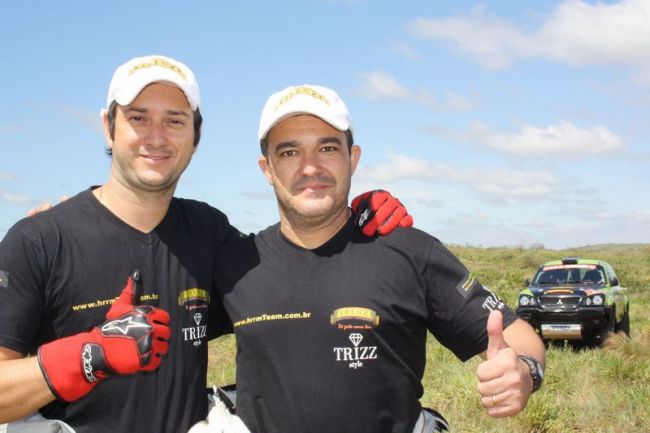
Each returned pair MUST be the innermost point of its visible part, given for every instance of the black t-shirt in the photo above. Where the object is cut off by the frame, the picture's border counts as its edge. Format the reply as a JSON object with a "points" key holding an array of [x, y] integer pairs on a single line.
{"points": [[64, 267], [332, 340]]}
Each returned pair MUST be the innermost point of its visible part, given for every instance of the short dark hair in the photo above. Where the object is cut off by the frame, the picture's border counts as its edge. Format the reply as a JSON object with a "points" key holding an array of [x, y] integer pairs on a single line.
{"points": [[264, 144], [110, 114]]}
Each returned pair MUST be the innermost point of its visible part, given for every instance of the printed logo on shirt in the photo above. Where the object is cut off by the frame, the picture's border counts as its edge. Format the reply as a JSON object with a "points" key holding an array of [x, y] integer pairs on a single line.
{"points": [[271, 317], [467, 284], [356, 355], [100, 303], [356, 320], [470, 283], [195, 334], [492, 301], [193, 300], [4, 279]]}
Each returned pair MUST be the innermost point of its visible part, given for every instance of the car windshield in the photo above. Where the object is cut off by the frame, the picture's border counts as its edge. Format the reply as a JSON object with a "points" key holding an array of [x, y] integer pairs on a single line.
{"points": [[569, 274]]}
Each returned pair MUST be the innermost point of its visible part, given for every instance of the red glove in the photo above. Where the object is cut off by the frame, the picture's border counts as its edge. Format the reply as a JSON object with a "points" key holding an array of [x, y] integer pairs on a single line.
{"points": [[379, 212], [133, 339]]}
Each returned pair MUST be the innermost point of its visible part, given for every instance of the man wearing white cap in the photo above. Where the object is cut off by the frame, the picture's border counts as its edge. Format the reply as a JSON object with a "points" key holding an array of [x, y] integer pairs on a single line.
{"points": [[337, 342], [136, 362]]}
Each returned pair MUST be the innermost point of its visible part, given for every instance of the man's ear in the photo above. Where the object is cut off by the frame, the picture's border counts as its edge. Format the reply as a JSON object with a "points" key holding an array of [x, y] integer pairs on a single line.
{"points": [[107, 129], [263, 162], [355, 156]]}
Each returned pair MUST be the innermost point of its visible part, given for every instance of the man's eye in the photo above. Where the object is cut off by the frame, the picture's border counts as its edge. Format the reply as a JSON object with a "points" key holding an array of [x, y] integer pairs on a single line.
{"points": [[288, 153], [328, 149], [136, 118], [176, 122]]}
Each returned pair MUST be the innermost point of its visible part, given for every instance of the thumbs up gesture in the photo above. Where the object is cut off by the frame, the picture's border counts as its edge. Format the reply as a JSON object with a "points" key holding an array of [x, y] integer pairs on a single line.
{"points": [[133, 338], [504, 380]]}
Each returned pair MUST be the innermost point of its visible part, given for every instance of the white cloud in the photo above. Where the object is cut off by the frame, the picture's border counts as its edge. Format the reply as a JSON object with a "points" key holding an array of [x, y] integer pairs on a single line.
{"points": [[624, 227], [259, 195], [90, 119], [404, 50], [575, 32], [492, 41], [582, 33], [479, 228], [379, 85], [562, 141], [4, 175], [555, 233], [13, 197], [500, 183]]}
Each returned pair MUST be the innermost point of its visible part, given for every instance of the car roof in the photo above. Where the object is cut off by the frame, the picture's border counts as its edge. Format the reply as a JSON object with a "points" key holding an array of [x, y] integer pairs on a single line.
{"points": [[575, 260]]}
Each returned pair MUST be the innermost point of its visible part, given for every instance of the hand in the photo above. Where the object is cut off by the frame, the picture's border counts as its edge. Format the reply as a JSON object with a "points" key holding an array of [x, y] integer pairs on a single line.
{"points": [[45, 206], [378, 212], [133, 339], [504, 380]]}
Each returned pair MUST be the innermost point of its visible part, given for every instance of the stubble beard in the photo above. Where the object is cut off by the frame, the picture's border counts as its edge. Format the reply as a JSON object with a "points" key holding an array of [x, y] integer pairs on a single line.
{"points": [[130, 178], [313, 217]]}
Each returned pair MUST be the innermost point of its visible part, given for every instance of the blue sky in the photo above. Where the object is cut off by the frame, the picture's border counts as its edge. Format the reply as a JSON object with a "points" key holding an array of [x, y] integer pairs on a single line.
{"points": [[505, 123]]}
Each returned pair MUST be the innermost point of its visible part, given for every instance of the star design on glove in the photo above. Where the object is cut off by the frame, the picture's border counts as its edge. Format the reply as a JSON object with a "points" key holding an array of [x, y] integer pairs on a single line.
{"points": [[123, 325], [363, 217]]}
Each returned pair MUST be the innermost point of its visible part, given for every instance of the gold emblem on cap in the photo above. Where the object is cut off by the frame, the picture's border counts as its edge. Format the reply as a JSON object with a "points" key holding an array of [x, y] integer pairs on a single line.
{"points": [[159, 62], [302, 90]]}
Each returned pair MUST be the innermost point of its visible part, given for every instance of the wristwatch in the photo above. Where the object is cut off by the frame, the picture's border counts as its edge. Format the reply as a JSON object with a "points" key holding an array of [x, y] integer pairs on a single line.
{"points": [[536, 371]]}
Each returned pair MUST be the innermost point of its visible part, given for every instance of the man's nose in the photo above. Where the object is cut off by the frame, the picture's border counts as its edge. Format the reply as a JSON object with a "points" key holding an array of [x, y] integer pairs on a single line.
{"points": [[311, 164], [156, 134]]}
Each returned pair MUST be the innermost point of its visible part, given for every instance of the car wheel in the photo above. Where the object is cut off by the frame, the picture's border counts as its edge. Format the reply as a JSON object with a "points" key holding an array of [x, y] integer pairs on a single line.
{"points": [[609, 328], [624, 325]]}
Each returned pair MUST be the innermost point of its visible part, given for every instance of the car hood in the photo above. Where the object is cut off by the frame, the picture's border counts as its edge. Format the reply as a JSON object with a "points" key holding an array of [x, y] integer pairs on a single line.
{"points": [[567, 289]]}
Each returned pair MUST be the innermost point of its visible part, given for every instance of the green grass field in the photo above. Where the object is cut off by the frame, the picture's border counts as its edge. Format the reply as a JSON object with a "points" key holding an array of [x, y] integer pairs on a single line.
{"points": [[588, 391]]}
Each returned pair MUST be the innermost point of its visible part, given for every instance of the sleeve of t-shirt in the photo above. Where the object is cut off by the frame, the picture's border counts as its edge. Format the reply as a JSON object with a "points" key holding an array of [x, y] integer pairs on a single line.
{"points": [[458, 305], [235, 259], [220, 323], [21, 299]]}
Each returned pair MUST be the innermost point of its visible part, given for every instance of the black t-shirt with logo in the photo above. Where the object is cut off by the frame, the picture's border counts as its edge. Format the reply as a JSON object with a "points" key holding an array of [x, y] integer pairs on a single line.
{"points": [[333, 339], [63, 268]]}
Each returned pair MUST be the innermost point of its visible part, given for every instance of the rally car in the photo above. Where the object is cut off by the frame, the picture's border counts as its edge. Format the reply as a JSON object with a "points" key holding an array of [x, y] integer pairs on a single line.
{"points": [[575, 299]]}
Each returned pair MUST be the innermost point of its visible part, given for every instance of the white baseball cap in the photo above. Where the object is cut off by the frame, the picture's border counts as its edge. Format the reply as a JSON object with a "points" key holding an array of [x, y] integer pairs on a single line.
{"points": [[306, 99], [133, 76]]}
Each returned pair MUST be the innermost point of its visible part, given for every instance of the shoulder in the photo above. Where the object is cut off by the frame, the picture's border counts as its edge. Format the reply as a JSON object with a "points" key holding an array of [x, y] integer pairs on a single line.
{"points": [[197, 207], [53, 220], [248, 249], [422, 247], [410, 239], [198, 213], [202, 222]]}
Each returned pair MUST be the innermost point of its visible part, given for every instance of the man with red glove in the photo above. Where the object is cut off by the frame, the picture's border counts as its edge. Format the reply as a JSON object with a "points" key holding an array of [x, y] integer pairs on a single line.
{"points": [[331, 324], [135, 364], [133, 339]]}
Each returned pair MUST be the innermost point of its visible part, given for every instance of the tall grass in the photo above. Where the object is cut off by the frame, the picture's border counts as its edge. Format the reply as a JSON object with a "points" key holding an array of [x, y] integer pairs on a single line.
{"points": [[585, 391]]}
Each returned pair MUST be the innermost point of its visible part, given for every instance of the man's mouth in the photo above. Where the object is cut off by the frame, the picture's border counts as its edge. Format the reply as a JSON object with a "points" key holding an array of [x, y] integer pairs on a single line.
{"points": [[155, 158], [313, 185]]}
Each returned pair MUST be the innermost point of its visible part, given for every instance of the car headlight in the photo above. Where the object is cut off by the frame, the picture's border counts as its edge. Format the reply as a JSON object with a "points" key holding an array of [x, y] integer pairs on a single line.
{"points": [[595, 300], [525, 301]]}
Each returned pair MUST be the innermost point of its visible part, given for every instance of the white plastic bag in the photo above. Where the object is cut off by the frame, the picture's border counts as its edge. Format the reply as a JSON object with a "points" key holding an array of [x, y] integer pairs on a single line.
{"points": [[221, 418]]}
